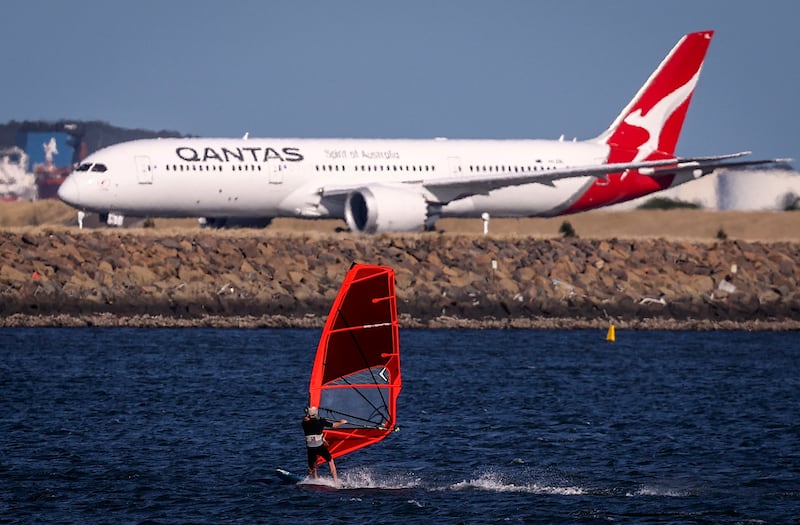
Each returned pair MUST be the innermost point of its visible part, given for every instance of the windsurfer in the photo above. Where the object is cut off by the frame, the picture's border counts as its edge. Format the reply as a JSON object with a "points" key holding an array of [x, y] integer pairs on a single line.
{"points": [[313, 428]]}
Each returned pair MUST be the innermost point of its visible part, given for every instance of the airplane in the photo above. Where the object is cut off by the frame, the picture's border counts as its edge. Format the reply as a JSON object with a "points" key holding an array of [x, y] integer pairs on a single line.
{"points": [[400, 185]]}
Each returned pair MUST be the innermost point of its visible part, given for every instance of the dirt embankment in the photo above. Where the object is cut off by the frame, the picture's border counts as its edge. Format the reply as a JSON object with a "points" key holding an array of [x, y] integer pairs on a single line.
{"points": [[684, 225]]}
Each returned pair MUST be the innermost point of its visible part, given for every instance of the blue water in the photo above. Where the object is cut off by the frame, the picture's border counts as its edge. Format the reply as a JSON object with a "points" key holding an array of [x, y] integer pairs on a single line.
{"points": [[188, 425]]}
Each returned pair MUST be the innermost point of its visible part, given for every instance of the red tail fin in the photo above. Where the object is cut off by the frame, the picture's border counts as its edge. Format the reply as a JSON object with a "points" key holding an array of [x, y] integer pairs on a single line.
{"points": [[649, 126]]}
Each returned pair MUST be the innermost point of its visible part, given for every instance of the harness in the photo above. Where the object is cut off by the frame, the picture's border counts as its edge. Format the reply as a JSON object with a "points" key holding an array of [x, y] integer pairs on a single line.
{"points": [[314, 440]]}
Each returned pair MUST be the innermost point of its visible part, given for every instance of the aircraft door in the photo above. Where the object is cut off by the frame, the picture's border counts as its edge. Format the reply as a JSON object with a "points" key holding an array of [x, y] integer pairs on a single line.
{"points": [[144, 173], [454, 164], [276, 173]]}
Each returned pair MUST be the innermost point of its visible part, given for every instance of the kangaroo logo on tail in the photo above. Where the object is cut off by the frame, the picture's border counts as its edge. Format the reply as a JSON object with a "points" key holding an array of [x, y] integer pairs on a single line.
{"points": [[649, 126]]}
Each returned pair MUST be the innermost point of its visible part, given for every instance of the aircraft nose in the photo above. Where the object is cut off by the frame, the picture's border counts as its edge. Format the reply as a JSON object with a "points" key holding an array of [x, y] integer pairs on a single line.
{"points": [[68, 191]]}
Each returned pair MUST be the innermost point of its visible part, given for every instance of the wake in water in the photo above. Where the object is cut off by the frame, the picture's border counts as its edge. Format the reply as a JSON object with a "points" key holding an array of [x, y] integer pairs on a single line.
{"points": [[497, 482], [365, 478], [489, 480], [650, 490]]}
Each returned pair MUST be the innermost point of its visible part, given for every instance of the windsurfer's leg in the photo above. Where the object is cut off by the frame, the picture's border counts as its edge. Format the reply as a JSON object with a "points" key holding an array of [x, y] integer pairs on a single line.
{"points": [[312, 463], [332, 466]]}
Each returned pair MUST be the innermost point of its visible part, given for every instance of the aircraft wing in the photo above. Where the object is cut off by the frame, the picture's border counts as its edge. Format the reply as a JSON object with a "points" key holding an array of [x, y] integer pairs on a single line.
{"points": [[446, 189], [456, 187]]}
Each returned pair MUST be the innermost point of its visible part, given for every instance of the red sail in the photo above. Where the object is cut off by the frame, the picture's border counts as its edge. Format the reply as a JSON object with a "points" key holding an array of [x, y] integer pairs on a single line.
{"points": [[356, 374]]}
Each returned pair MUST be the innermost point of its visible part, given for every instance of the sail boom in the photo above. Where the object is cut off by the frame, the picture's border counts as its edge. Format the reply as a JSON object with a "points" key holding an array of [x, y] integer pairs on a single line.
{"points": [[355, 385], [363, 327]]}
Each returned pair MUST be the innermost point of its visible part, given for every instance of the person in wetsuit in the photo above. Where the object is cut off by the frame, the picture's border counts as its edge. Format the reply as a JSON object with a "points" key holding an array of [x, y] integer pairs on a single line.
{"points": [[313, 428]]}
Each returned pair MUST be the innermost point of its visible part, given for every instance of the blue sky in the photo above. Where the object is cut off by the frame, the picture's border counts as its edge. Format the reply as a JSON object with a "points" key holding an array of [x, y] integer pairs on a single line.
{"points": [[493, 69]]}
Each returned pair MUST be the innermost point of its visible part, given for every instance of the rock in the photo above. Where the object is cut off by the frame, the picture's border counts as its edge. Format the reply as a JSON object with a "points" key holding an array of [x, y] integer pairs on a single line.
{"points": [[11, 275], [470, 279]]}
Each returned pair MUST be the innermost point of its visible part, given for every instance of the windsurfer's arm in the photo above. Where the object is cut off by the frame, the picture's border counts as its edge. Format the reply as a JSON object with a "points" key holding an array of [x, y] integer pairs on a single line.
{"points": [[334, 424]]}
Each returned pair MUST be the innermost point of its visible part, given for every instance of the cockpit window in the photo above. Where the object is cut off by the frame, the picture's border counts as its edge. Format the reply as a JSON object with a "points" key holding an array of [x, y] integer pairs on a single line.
{"points": [[84, 167], [99, 167]]}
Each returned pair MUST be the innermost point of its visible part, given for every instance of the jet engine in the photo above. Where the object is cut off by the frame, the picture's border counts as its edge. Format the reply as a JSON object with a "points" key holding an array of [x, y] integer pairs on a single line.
{"points": [[375, 209]]}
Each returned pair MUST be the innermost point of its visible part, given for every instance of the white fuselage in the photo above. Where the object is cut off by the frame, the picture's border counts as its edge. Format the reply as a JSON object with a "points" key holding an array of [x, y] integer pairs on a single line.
{"points": [[288, 177]]}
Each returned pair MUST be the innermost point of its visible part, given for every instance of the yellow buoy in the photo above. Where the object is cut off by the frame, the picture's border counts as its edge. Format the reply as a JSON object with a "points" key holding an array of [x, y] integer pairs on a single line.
{"points": [[611, 334]]}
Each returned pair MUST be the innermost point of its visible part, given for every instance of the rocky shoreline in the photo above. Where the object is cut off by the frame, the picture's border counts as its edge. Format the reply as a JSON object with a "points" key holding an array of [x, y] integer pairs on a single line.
{"points": [[257, 279]]}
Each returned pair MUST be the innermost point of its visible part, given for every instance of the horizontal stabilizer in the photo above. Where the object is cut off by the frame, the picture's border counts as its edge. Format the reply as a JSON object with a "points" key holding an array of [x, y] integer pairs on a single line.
{"points": [[705, 165]]}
